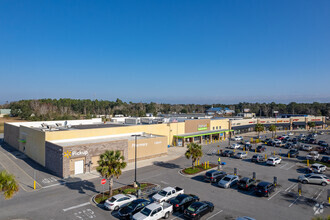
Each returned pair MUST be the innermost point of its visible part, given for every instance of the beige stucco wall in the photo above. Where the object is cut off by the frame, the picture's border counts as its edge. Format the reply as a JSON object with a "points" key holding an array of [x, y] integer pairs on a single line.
{"points": [[223, 123], [243, 122], [35, 144], [194, 124], [158, 129], [11, 135], [147, 148]]}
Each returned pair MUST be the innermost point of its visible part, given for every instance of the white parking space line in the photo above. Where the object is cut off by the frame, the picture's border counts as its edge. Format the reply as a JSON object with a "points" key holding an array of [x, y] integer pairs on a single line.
{"points": [[293, 185], [290, 167], [294, 201], [214, 215], [281, 167], [77, 206], [319, 194], [274, 195]]}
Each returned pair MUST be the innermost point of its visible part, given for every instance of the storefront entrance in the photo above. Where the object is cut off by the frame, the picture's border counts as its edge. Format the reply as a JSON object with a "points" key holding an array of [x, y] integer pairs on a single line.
{"points": [[78, 167]]}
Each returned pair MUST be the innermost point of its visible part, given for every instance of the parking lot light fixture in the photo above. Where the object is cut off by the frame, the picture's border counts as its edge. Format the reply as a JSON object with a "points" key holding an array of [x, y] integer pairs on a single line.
{"points": [[135, 135]]}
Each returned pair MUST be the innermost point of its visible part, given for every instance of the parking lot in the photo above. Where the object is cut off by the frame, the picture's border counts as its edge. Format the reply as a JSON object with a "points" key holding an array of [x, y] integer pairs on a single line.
{"points": [[284, 203]]}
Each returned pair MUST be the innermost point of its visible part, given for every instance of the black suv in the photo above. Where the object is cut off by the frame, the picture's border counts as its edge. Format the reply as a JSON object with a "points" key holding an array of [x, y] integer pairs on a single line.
{"points": [[133, 207], [325, 159], [214, 175], [258, 158], [321, 142], [228, 153], [264, 189], [246, 183], [293, 153]]}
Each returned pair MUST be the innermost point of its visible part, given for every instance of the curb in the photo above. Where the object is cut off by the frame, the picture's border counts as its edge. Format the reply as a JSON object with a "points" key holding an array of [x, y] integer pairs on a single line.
{"points": [[193, 175]]}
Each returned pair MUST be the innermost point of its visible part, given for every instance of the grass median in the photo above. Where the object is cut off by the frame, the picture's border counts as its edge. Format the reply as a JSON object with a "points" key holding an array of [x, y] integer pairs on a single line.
{"points": [[197, 169]]}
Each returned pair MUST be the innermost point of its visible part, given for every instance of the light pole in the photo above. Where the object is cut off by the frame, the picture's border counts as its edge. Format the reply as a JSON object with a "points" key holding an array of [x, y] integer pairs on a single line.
{"points": [[135, 135], [275, 112]]}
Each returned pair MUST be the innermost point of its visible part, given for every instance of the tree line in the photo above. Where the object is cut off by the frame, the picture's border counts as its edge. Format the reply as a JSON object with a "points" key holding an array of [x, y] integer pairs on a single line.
{"points": [[66, 109]]}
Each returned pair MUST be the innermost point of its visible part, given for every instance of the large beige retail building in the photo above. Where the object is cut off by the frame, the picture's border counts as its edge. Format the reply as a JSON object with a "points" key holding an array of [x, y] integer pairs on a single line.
{"points": [[73, 147]]}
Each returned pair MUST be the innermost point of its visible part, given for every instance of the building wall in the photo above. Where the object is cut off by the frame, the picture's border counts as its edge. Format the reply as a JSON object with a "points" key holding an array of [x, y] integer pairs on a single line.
{"points": [[54, 158], [197, 125], [35, 144], [147, 148], [158, 129], [11, 135], [223, 123], [243, 122]]}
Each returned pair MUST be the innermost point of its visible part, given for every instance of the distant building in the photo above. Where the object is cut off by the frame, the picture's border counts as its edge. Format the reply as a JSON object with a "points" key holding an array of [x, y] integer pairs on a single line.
{"points": [[4, 112], [247, 115], [219, 111]]}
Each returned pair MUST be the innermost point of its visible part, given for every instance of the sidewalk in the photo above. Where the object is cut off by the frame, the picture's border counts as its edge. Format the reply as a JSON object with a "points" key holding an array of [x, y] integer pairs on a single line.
{"points": [[172, 154]]}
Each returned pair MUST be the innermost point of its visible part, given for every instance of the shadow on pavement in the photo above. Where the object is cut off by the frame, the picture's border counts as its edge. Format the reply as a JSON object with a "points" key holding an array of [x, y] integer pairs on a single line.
{"points": [[293, 180], [167, 165], [80, 185]]}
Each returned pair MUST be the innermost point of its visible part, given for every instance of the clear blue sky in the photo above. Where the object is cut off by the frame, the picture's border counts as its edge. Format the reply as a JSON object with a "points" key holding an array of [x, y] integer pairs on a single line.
{"points": [[166, 51]]}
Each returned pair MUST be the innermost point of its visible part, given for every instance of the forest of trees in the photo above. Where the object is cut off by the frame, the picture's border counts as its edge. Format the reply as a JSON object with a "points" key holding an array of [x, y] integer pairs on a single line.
{"points": [[65, 109]]}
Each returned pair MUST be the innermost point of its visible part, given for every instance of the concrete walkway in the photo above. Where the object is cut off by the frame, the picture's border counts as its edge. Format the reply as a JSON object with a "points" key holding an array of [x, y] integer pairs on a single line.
{"points": [[172, 154]]}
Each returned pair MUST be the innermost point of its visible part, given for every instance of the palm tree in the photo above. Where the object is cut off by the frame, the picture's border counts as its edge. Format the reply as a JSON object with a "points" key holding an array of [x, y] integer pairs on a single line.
{"points": [[194, 152], [110, 165], [8, 184], [259, 128], [272, 128], [311, 125]]}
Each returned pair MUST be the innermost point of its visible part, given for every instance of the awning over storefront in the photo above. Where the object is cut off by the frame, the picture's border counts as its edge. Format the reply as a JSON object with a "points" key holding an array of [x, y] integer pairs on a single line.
{"points": [[243, 127], [319, 122], [203, 133], [278, 125], [299, 123]]}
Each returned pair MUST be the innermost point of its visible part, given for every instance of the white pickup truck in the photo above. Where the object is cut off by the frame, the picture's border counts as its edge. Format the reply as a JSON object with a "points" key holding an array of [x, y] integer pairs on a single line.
{"points": [[154, 211], [167, 193]]}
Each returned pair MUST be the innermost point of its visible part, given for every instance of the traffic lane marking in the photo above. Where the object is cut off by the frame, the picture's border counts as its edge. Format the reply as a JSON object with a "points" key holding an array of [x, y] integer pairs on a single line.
{"points": [[274, 195], [292, 186], [290, 167], [77, 206], [214, 215]]}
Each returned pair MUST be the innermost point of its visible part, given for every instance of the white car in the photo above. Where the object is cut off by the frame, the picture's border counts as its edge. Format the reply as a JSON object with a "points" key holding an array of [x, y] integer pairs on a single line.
{"points": [[237, 138], [313, 155], [167, 193], [241, 155], [277, 141], [273, 161], [235, 146], [318, 168], [228, 181], [117, 201], [154, 211], [306, 147], [290, 133]]}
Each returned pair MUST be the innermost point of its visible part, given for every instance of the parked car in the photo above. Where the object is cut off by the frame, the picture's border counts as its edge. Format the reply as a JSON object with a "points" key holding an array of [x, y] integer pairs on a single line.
{"points": [[293, 153], [277, 141], [248, 147], [228, 181], [270, 143], [288, 145], [312, 141], [228, 153], [313, 155], [325, 159], [241, 155], [264, 189], [306, 147], [314, 178], [258, 158], [198, 209], [273, 161], [214, 175], [261, 148], [235, 146], [318, 168], [154, 211], [321, 132], [322, 149], [127, 211], [117, 201], [237, 138], [324, 145], [321, 142], [246, 183], [181, 202], [290, 134], [167, 193], [267, 140]]}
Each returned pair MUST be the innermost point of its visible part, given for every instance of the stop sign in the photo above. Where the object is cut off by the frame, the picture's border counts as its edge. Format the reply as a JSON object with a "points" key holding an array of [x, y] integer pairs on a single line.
{"points": [[103, 181]]}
